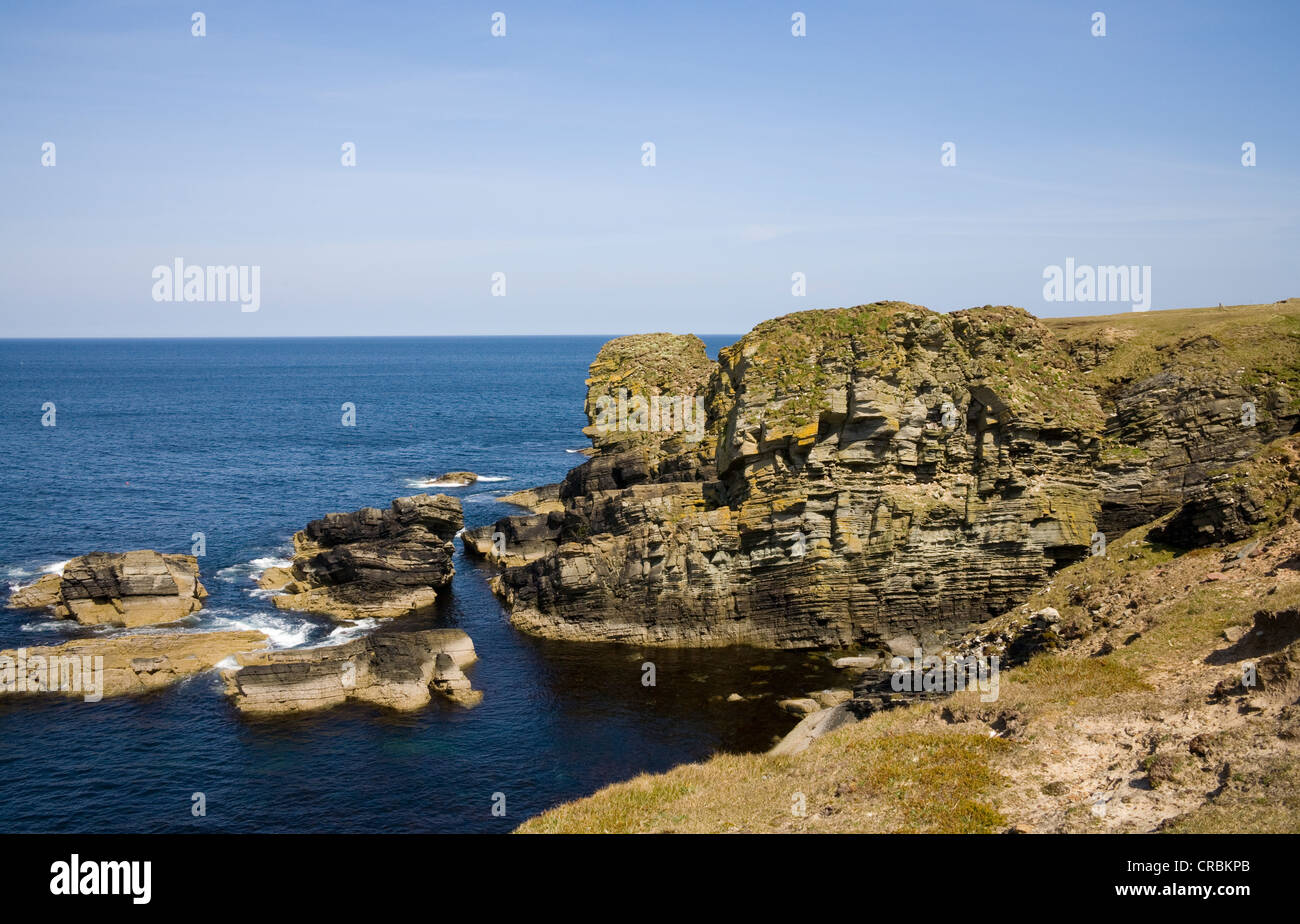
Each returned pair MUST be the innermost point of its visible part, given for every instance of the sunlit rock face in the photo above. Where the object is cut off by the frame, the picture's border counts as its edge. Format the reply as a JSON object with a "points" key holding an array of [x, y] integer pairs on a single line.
{"points": [[397, 670], [861, 472], [371, 563], [137, 588]]}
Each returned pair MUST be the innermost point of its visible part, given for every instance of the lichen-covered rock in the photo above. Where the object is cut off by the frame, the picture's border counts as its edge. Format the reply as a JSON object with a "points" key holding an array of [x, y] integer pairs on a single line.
{"points": [[645, 389], [371, 563], [129, 589], [1187, 394], [875, 471], [1230, 506], [392, 669], [868, 472]]}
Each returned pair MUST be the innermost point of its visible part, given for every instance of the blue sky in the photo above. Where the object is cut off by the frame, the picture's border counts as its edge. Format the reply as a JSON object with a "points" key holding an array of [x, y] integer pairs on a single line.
{"points": [[522, 155]]}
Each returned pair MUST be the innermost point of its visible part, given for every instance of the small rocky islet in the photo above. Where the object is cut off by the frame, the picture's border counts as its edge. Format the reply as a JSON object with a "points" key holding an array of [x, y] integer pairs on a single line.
{"points": [[367, 564], [139, 588], [859, 481], [371, 563]]}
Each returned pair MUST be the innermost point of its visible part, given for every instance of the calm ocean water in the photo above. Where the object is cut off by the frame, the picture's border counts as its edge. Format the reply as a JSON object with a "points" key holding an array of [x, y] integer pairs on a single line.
{"points": [[242, 440]]}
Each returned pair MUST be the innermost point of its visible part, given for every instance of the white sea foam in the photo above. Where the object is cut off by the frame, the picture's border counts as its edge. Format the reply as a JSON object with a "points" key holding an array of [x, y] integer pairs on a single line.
{"points": [[23, 574], [283, 631], [353, 630], [252, 570], [435, 483], [230, 662], [47, 625], [261, 564], [483, 498]]}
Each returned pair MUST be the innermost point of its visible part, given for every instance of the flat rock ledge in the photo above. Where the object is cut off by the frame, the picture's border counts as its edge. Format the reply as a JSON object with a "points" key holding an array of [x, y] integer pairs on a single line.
{"points": [[131, 663], [130, 589], [398, 670], [371, 563], [543, 499], [813, 726]]}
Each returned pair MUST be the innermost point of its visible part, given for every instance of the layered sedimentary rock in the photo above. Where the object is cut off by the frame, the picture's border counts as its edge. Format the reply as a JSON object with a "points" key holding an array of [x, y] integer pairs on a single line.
{"points": [[518, 540], [861, 473], [393, 669], [544, 499], [371, 562], [130, 663], [515, 540], [1232, 505], [1179, 429], [127, 588], [1188, 394]]}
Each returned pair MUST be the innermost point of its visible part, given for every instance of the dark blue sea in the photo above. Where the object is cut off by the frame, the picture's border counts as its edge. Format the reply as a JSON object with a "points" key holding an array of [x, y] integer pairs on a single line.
{"points": [[243, 441]]}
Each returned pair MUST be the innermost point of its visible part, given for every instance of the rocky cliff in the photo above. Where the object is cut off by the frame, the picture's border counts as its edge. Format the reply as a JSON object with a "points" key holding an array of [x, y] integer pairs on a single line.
{"points": [[1188, 394], [127, 588], [371, 562], [840, 477], [1150, 688]]}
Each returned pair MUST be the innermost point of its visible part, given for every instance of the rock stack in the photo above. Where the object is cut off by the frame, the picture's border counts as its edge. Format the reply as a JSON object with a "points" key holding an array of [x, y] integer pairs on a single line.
{"points": [[371, 563]]}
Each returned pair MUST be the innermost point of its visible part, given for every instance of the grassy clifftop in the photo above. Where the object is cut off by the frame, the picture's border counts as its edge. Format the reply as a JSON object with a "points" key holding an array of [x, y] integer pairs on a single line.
{"points": [[1264, 340], [800, 363]]}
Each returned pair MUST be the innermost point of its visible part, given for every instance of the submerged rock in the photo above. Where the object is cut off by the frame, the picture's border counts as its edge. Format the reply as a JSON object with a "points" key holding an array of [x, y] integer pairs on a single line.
{"points": [[393, 669], [128, 589], [371, 563], [130, 663], [457, 478]]}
